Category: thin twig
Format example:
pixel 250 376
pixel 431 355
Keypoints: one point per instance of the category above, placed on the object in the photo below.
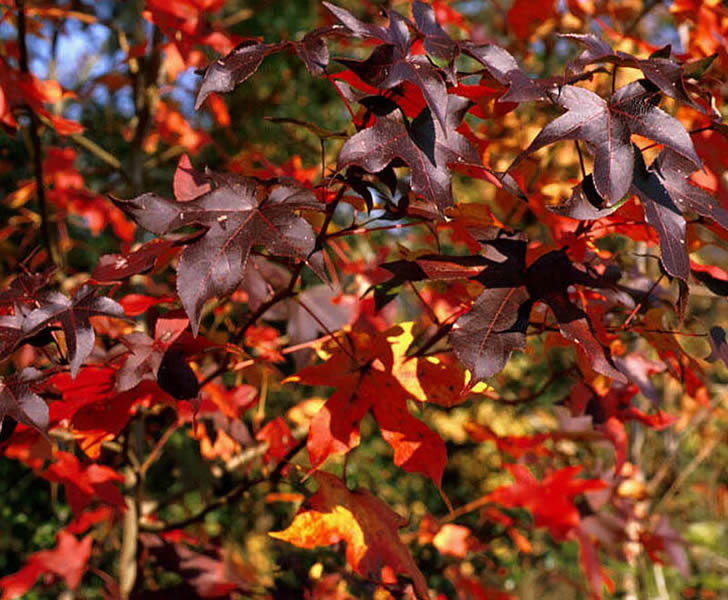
pixel 35 142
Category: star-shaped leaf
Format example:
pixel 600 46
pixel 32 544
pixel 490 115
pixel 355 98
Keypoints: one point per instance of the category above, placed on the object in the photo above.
pixel 437 42
pixel 367 525
pixel 666 192
pixel 237 215
pixel 606 127
pixel 361 370
pixel 19 401
pixel 73 317
pixel 659 68
pixel 496 325
pixel 392 63
pixel 422 145
pixel 226 73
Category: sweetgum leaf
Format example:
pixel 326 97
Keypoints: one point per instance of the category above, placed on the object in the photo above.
pixel 423 146
pixel 367 525
pixel 234 221
pixel 386 68
pixel 495 326
pixel 115 267
pixel 585 203
pixel 674 172
pixel 501 65
pixel 606 127
pixel 11 332
pixel 176 377
pixel 392 63
pixel 659 68
pixel 227 72
pixel 437 42
pixel 73 316
pixel 665 216
pixel 24 288
pixel 19 401
pixel 666 192
pixel 485 337
pixel 313 50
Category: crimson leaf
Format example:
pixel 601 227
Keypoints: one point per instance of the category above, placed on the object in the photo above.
pixel 214 263
pixel 73 316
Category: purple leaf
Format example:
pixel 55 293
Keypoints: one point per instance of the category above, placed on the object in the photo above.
pixel 19 401
pixel 437 42
pixel 495 326
pixel 73 316
pixel 660 70
pixel 584 204
pixel 718 345
pixel 505 70
pixel 606 128
pixel 674 172
pixel 227 72
pixel 214 263
pixel 24 288
pixel 664 215
pixel 423 146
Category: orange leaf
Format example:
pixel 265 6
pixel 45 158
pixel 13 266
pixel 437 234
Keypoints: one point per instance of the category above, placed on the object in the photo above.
pixel 367 525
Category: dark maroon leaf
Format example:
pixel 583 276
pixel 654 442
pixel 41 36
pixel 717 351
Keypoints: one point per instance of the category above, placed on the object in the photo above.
pixel 584 204
pixel 437 42
pixel 115 267
pixel 313 50
pixel 423 146
pixel 501 65
pixel 391 63
pixel 24 288
pixel 386 68
pixel 214 263
pixel 11 332
pixel 718 345
pixel 575 326
pixel 496 325
pixel 73 317
pixel 606 127
pixel 485 337
pixel 674 172
pixel 176 377
pixel 227 72
pixel 665 216
pixel 19 401
pixel 659 69
pixel 359 28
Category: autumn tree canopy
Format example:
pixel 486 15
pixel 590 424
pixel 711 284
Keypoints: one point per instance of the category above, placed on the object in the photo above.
pixel 363 300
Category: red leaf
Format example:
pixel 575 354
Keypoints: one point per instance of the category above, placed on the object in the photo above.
pixel 550 501
pixel 67 560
